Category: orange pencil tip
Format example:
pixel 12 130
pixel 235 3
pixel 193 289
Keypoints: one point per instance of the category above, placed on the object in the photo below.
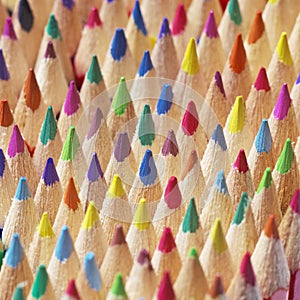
pixel 237 59
pixel 6 117
pixel 70 196
pixel 257 28
pixel 270 229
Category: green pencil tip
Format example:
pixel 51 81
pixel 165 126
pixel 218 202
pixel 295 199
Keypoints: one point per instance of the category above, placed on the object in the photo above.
pixel 18 294
pixel 94 74
pixel 266 180
pixel 241 209
pixel 193 253
pixel 118 286
pixel 234 12
pixel 146 129
pixel 121 98
pixel 71 145
pixel 191 218
pixel 49 127
pixel 52 28
pixel 286 158
pixel 40 283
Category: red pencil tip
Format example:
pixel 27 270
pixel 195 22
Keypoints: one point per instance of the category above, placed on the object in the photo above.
pixel 217 288
pixel 30 149
pixel 241 163
pixel 119 237
pixel 165 289
pixel 94 19
pixel 237 59
pixel 270 229
pixel 295 203
pixel 190 119
pixel 262 82
pixel 6 117
pixel 172 195
pixel 166 243
pixel 246 270
pixel 70 196
pixel 257 28
pixel 72 290
pixel 31 91
pixel 180 20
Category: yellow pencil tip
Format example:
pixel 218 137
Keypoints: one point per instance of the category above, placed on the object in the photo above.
pixel 217 237
pixel 91 216
pixel 142 219
pixel 116 187
pixel 237 116
pixel 45 228
pixel 283 50
pixel 190 63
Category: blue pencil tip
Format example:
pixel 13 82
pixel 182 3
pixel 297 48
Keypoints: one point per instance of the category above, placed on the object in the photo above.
pixel 94 171
pixel 92 272
pixel 25 15
pixel 165 99
pixel 4 74
pixel 14 253
pixel 119 45
pixel 263 140
pixel 69 4
pixel 146 64
pixel 219 138
pixel 2 162
pixel 221 183
pixel 22 192
pixel 64 246
pixel 298 79
pixel 165 29
pixel 148 171
pixel 138 18
pixel 50 175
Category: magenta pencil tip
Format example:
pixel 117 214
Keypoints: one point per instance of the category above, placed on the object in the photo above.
pixel 180 20
pixel 295 203
pixel 94 19
pixel 262 82
pixel 172 195
pixel 16 143
pixel 211 26
pixel 283 103
pixel 167 242
pixel 9 29
pixel 246 270
pixel 72 102
pixel 241 163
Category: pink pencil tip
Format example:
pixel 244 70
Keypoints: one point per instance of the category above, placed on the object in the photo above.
pixel 190 119
pixel 166 243
pixel 16 143
pixel 165 290
pixel 262 82
pixel 72 102
pixel 172 195
pixel 211 26
pixel 241 163
pixel 283 103
pixel 179 21
pixel 9 29
pixel 246 270
pixel 72 290
pixel 295 203
pixel 94 19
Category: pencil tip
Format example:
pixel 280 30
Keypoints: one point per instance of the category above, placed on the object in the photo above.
pixel 70 197
pixel 165 100
pixel 146 129
pixel 148 171
pixel 217 288
pixel 193 253
pixel 144 259
pixel 64 246
pixel 246 270
pixel 95 124
pixel 39 287
pixel 234 12
pixel 283 50
pixel 52 28
pixel 237 116
pixel 257 28
pixel 283 103
pixel 217 237
pixel 165 289
pixel 2 162
pixel 263 140
pixel 14 254
pixel 94 19
pixel 270 229
pixel 241 163
pixel 123 148
pixel 191 162
pixel 118 237
pixel 219 138
pixel 241 209
pixel 142 218
pixel 94 74
pixel 219 82
pixel 92 272
pixel 211 29
pixel 32 93
pixel 22 192
pixel 165 29
pixel 16 143
pixel 170 145
pixel 190 63
pixel 45 228
pixel 295 203
pixel 286 158
pixel 72 290
pixel 71 145
pixel 4 74
pixel 191 219
pixel 167 242
pixel 121 98
pixel 69 4
pixel 180 20
pixel 6 117
pixel 50 52
pixel 118 288
pixel 116 188
pixel 138 18
pixel 238 58
pixel 172 194
pixel 298 79
pixel 221 183
pixel 72 101
pixel 118 45
pixel 8 30
pixel 25 16
pixel 49 127
pixel 91 216
pixel 190 120
pixel 265 181
pixel 94 171
pixel 18 293
pixel 262 81
pixel 146 64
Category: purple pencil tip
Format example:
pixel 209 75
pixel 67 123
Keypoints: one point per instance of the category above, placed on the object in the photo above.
pixel 9 29
pixel 94 171
pixel 96 122
pixel 211 26
pixel 50 52
pixel 122 148
pixel 283 103
pixel 50 175
pixel 219 83
pixel 170 145
pixel 4 74
pixel 72 102
pixel 16 143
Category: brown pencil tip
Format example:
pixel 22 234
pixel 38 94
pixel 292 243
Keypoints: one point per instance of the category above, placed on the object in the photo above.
pixel 31 91
pixel 70 196
pixel 119 237
pixel 257 29
pixel 193 158
pixel 217 288
pixel 6 117
pixel 237 59
pixel 270 229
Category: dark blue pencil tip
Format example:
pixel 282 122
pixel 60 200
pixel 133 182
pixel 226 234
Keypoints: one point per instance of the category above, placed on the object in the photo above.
pixel 118 45
pixel 263 140
pixel 14 254
pixel 94 171
pixel 92 272
pixel 146 64
pixel 165 99
pixel 2 162
pixel 64 246
pixel 165 29
pixel 69 4
pixel 25 15
pixel 148 171
pixel 22 192
pixel 50 175
pixel 298 79
pixel 221 183
pixel 138 18
pixel 219 138
pixel 4 74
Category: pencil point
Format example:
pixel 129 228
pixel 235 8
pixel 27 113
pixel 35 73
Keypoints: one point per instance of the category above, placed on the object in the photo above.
pixel 286 158
pixel 40 283
pixel 4 74
pixel 241 209
pixel 217 237
pixel 50 52
pixel 64 246
pixel 121 98
pixel 238 58
pixel 96 123
pixel 14 254
pixel 283 50
pixel 180 20
pixel 72 102
pixel 237 116
pixel 91 216
pixel 190 120
pixel 6 117
pixel 298 79
pixel 217 288
pixel 219 82
pixel 172 194
pixel 262 81
pixel 16 143
pixel 71 145
pixel 190 63
pixel 146 64
pixel 219 138
pixel 119 45
pixel 241 163
pixel 49 127
pixel 70 197
pixel 295 203
pixel 263 140
pixel 165 99
pixel 191 219
pixel 18 293
pixel 146 130
pixel 266 180
pixel 211 29
pixel 144 259
pixel 246 270
pixel 234 12
pixel 9 29
pixel 25 16
pixel 94 171
pixel 72 290
pixel 148 171
pixel 123 148
pixel 165 29
pixel 119 237
pixel 45 228
pixel 138 18
pixel 165 289
pixel 92 272
pixel 270 229
pixel 193 253
pixel 283 103
pixel 142 218
pixel 31 91
pixel 94 74
pixel 170 145
pixel 94 19
pixel 22 192
pixel 167 242
pixel 116 188
pixel 118 288
pixel 221 183
pixel 257 29
pixel 69 4
pixel 2 162
pixel 52 28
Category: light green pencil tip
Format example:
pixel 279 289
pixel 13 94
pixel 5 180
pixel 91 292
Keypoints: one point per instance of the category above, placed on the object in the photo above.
pixel 71 145
pixel 193 253
pixel 266 180
pixel 234 12
pixel 52 28
pixel 40 283
pixel 49 127
pixel 286 158
pixel 241 209
pixel 121 98
pixel 146 130
pixel 94 74
pixel 191 218
pixel 118 288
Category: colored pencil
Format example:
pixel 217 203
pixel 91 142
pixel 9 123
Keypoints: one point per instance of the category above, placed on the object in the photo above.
pixel 117 291
pixel 165 289
pixel 6 124
pixel 19 292
pixel 42 245
pixel 270 264
pixel 64 262
pixel 71 292
pixel 249 10
pixel 84 7
pixel 216 291
pixel 91 237
pixel 142 280
pixel 265 202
